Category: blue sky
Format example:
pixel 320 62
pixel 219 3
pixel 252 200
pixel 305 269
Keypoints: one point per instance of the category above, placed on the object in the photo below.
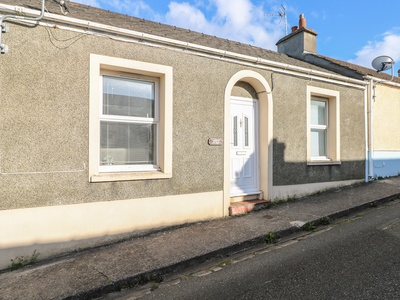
pixel 351 30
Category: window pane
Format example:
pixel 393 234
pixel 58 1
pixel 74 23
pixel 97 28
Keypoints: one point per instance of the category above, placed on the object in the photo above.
pixel 128 97
pixel 127 143
pixel 318 142
pixel 318 112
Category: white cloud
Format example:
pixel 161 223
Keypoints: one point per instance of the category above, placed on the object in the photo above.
pixel 237 13
pixel 186 16
pixel 389 45
pixel 237 20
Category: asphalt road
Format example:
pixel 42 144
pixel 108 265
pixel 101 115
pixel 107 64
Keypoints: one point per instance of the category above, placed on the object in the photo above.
pixel 354 258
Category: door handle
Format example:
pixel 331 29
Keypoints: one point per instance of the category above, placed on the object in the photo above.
pixel 241 152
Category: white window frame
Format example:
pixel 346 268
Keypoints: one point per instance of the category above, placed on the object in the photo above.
pixel 332 99
pixel 137 120
pixel 162 76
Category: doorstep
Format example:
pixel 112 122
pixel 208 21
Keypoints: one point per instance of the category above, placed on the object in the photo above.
pixel 242 207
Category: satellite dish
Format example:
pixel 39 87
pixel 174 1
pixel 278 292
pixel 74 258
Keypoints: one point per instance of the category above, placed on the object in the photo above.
pixel 382 63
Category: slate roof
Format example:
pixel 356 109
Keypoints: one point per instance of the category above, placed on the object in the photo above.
pixel 336 64
pixel 105 17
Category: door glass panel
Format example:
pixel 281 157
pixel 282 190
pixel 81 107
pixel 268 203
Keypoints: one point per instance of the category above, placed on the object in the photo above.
pixel 246 131
pixel 235 131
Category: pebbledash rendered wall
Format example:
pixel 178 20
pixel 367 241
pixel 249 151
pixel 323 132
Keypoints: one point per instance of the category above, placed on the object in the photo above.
pixel 290 165
pixel 47 202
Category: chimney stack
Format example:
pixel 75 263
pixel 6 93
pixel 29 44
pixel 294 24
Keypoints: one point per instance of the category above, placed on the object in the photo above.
pixel 301 40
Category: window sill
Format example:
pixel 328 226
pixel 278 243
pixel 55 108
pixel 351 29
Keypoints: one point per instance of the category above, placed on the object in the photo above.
pixel 129 176
pixel 323 163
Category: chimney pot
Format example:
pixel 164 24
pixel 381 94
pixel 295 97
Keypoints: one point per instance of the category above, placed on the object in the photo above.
pixel 302 21
pixel 398 73
pixel 294 28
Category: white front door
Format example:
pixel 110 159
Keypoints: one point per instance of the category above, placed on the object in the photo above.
pixel 244 146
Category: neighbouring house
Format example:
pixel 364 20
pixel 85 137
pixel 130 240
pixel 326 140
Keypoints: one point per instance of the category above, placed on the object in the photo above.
pixel 112 124
pixel 382 100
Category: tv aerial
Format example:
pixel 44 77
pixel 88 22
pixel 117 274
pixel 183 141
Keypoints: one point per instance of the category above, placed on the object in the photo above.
pixel 282 14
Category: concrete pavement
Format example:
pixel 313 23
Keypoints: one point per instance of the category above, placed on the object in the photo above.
pixel 102 270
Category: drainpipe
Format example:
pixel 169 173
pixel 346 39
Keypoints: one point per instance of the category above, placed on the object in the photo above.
pixel 366 131
pixel 4 48
pixel 371 147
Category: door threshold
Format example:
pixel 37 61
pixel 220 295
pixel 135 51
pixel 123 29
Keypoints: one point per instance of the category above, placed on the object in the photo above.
pixel 241 198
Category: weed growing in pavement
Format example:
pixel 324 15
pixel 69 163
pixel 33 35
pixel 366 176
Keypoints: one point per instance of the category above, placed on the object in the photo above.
pixel 325 221
pixel 21 261
pixel 271 238
pixel 157 278
pixel 288 199
pixel 308 226
pixel 291 198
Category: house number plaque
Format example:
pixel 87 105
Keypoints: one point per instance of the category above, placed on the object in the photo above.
pixel 215 141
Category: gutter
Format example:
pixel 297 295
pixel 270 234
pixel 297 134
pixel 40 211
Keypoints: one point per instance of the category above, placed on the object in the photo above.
pixel 144 38
pixel 381 81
